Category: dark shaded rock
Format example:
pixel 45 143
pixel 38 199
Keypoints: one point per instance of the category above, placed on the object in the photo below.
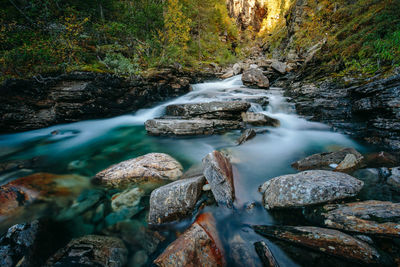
pixel 380 159
pixel 324 240
pixel 175 200
pixel 218 172
pixel 394 178
pixel 91 250
pixel 227 110
pixel 255 77
pixel 241 252
pixel 323 160
pixel 197 246
pixel 246 135
pixel 175 126
pixel 265 254
pixel 259 119
pixel 150 170
pixel 367 217
pixel 308 188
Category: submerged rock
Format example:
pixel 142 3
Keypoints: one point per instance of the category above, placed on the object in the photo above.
pixel 218 172
pixel 259 119
pixel 323 160
pixel 175 200
pixel 394 179
pixel 246 135
pixel 308 188
pixel 367 217
pixel 255 77
pixel 226 110
pixel 197 246
pixel 176 126
pixel 150 169
pixel 324 240
pixel 91 250
pixel 265 254
pixel 241 252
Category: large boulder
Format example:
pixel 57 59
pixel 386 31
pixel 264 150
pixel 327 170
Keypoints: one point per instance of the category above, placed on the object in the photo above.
pixel 280 67
pixel 255 77
pixel 175 200
pixel 324 240
pixel 91 250
pixel 197 246
pixel 308 188
pixel 227 110
pixel 367 217
pixel 324 160
pixel 149 169
pixel 181 127
pixel 218 172
pixel 259 119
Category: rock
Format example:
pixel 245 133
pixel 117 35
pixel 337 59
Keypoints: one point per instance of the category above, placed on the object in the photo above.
pixel 349 163
pixel 367 217
pixel 91 250
pixel 323 160
pixel 394 178
pixel 246 135
pixel 240 252
pixel 174 201
pixel 38 186
pixel 259 119
pixel 147 169
pixel 197 246
pixel 380 159
pixel 190 127
pixel 237 69
pixel 324 240
pixel 230 73
pixel 29 244
pixel 265 254
pixel 227 110
pixel 279 67
pixel 218 172
pixel 255 77
pixel 308 188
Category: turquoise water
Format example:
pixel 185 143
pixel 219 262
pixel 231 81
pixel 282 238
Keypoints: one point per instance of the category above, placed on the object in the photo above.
pixel 86 147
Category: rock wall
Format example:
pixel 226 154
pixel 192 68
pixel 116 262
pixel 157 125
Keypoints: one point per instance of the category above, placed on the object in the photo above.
pixel 33 104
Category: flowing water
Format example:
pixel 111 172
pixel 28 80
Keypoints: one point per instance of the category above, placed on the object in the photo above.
pixel 86 147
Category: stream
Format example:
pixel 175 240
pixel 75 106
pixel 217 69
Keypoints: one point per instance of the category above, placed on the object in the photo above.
pixel 87 147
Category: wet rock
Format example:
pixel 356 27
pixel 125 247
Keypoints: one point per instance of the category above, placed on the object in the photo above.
pixel 246 135
pixel 308 188
pixel 237 69
pixel 350 162
pixel 324 240
pixel 259 119
pixel 380 159
pixel 265 254
pixel 149 170
pixel 240 252
pixel 280 67
pixel 39 186
pixel 367 217
pixel 227 110
pixel 91 250
pixel 139 259
pixel 218 172
pixel 255 77
pixel 190 127
pixel 394 178
pixel 197 246
pixel 175 200
pixel 323 160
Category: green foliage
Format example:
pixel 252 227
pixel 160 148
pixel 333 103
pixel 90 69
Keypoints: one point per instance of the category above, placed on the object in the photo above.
pixel 121 65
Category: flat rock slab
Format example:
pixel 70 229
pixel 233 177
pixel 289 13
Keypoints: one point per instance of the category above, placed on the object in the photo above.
pixel 197 246
pixel 230 110
pixel 328 241
pixel 367 217
pixel 182 127
pixel 218 172
pixel 147 169
pixel 91 250
pixel 308 188
pixel 175 201
pixel 323 160
pixel 259 119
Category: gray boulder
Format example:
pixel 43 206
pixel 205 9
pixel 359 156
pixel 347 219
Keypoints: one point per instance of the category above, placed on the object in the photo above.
pixel 255 77
pixel 246 135
pixel 259 119
pixel 308 188
pixel 280 67
pixel 394 179
pixel 175 200
pixel 237 68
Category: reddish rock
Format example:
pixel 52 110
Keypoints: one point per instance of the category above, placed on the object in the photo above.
pixel 380 159
pixel 197 246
